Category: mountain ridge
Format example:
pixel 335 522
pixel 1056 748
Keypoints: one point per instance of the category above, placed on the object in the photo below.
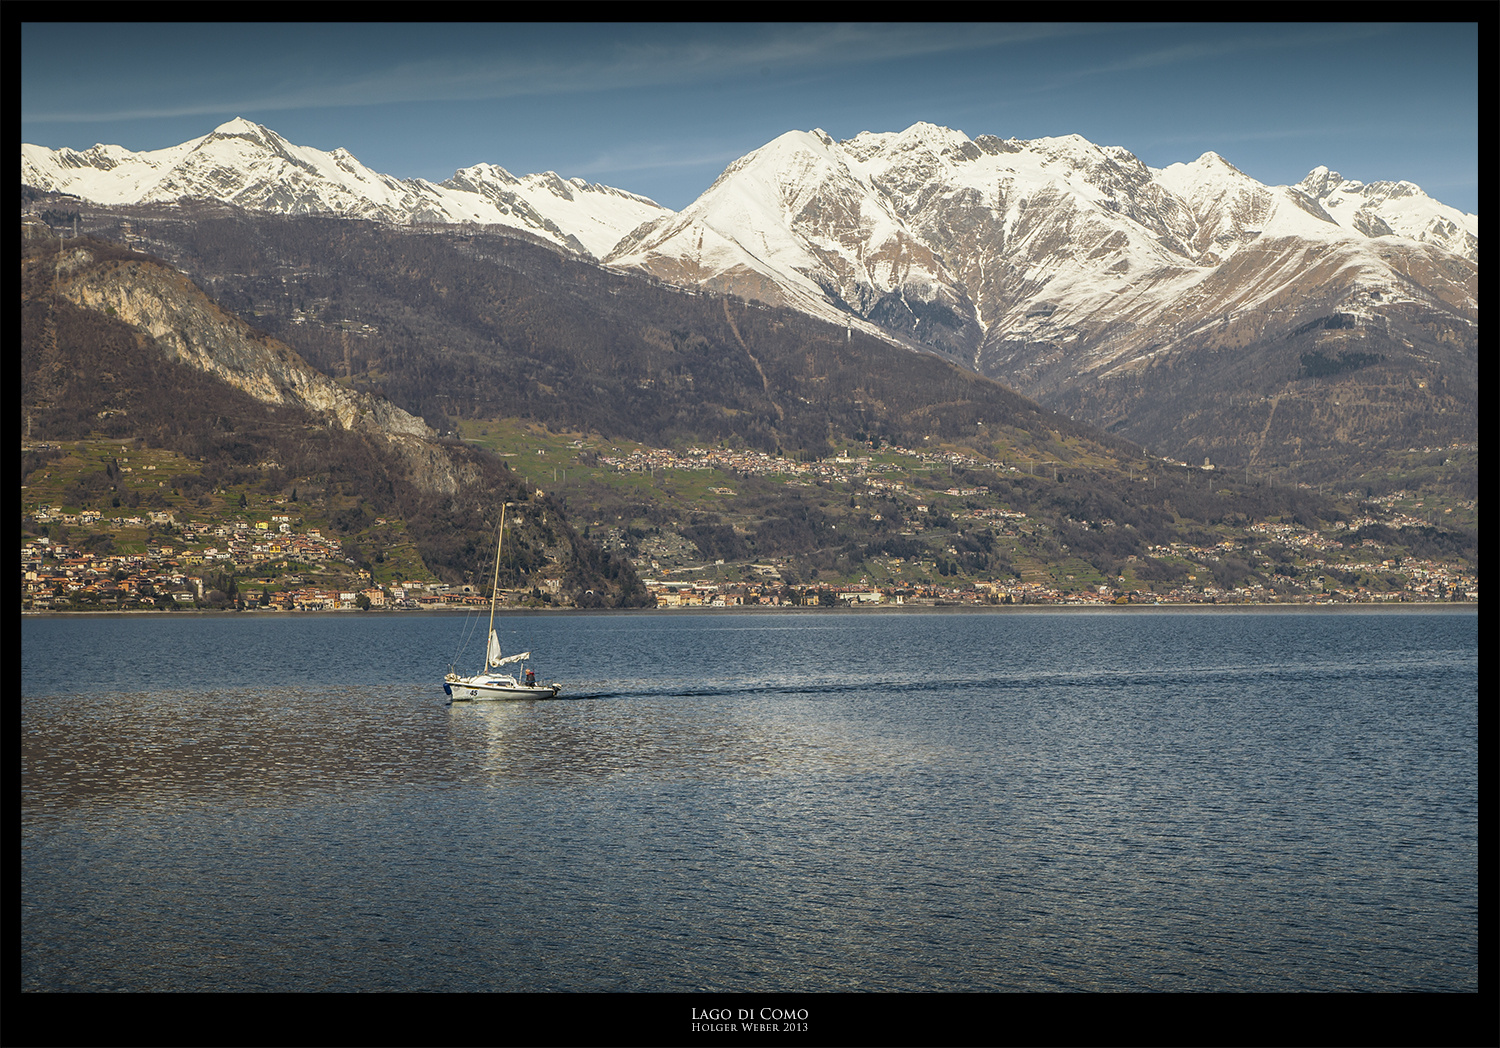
pixel 249 165
pixel 1064 269
pixel 199 167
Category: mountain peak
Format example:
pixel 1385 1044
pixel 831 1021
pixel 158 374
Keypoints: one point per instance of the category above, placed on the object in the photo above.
pixel 1063 144
pixel 465 177
pixel 1209 165
pixel 1321 181
pixel 240 127
pixel 256 135
pixel 930 133
pixel 1393 209
pixel 816 139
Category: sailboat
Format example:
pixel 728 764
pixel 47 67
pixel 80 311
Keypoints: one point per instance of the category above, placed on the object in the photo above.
pixel 490 683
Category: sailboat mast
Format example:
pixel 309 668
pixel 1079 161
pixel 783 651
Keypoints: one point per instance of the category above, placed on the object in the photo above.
pixel 495 591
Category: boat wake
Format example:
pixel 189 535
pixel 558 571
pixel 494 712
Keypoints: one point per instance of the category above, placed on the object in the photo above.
pixel 988 684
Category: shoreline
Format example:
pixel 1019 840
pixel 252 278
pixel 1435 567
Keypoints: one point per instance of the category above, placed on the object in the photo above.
pixel 756 609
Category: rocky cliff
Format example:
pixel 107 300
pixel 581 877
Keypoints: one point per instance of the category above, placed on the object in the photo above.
pixel 190 328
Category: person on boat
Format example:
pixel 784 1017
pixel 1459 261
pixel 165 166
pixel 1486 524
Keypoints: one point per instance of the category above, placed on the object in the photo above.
pixel 531 678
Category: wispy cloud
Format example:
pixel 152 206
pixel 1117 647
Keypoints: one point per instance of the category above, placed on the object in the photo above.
pixel 497 63
pixel 658 158
pixel 1226 40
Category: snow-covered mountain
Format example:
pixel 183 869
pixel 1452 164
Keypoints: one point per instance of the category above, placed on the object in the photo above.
pixel 837 228
pixel 248 165
pixel 1150 301
pixel 1393 208
pixel 1157 303
pixel 994 242
pixel 794 223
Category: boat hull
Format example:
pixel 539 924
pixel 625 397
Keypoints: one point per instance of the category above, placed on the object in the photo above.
pixel 468 689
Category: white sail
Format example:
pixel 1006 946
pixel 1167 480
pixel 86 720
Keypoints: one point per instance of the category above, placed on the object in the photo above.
pixel 513 658
pixel 493 656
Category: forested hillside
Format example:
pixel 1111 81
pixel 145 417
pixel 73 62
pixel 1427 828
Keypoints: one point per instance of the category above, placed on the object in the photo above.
pixel 88 375
pixel 566 369
pixel 454 324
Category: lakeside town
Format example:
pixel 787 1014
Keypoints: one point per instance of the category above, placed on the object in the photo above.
pixel 170 542
pixel 190 571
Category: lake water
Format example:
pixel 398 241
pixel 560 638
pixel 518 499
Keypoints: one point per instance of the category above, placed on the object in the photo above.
pixel 1005 801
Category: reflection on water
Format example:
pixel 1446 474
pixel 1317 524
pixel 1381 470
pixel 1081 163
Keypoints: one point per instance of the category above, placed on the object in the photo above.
pixel 760 803
pixel 682 737
pixel 269 747
pixel 250 745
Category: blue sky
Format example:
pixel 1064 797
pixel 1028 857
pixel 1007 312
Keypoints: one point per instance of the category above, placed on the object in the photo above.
pixel 662 109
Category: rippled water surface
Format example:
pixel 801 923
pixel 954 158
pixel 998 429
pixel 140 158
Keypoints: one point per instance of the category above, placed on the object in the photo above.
pixel 838 801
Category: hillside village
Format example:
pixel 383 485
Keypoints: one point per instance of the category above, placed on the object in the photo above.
pixel 63 577
pixel 1424 581
pixel 265 557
